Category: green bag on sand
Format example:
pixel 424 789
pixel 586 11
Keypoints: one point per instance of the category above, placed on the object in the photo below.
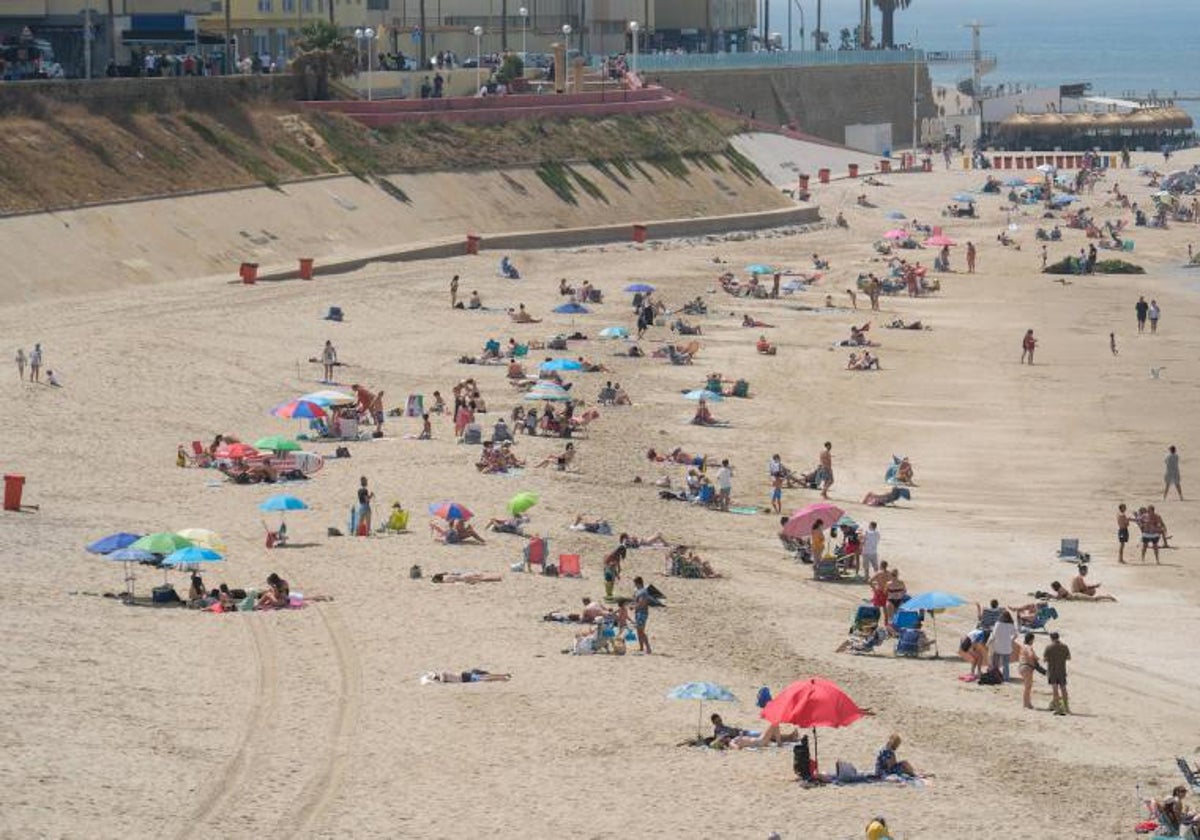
pixel 247 603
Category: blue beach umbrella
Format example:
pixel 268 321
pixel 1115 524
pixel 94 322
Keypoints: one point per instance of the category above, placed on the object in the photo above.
pixel 896 214
pixel 931 602
pixel 701 691
pixel 546 395
pixel 1014 182
pixel 191 555
pixel 967 197
pixel 131 555
pixel 1062 199
pixel 614 332
pixel 113 542
pixel 561 364
pixel 701 394
pixel 282 503
pixel 639 287
pixel 572 309
pixel 759 268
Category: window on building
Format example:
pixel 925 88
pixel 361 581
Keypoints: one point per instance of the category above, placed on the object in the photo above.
pixel 265 5
pixel 308 5
pixel 289 5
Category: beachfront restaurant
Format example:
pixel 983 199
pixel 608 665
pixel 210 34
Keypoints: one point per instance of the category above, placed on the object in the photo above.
pixel 1144 128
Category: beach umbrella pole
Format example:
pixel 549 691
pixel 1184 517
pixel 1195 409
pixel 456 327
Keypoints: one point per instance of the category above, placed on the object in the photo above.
pixel 936 653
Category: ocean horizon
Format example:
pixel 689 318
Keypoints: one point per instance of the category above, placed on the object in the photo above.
pixel 1120 48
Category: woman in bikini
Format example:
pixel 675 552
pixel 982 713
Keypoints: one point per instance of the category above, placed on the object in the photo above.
pixel 1027 663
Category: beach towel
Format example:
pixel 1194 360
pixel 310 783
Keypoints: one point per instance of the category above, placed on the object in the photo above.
pixel 746 511
pixel 414 405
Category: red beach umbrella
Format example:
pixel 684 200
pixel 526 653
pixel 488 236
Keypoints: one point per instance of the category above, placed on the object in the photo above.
pixel 811 703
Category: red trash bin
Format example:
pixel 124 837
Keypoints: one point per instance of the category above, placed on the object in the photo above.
pixel 306 268
pixel 853 170
pixel 823 176
pixel 803 183
pixel 472 243
pixel 249 272
pixel 639 233
pixel 12 491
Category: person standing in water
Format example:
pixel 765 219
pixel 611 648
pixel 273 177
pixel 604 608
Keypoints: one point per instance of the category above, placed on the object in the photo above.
pixel 1028 345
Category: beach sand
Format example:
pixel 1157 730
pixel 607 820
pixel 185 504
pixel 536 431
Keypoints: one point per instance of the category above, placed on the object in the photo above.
pixel 135 722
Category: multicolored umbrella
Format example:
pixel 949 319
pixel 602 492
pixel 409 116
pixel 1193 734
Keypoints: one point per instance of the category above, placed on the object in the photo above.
pixel 326 398
pixel 164 543
pixel 299 410
pixel 522 502
pixel 701 394
pixel 282 503
pixel 801 522
pixel 113 542
pixel 450 510
pixel 277 443
pixel 539 394
pixel 701 691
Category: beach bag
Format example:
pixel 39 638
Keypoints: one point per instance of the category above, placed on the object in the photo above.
pixel 557 343
pixel 341 452
pixel 802 760
pixel 550 570
pixel 334 314
pixel 473 434
pixel 992 676
pixel 764 697
pixel 414 572
pixel 741 388
pixel 164 594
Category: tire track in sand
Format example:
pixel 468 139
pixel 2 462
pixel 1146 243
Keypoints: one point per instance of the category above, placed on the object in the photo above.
pixel 306 812
pixel 261 717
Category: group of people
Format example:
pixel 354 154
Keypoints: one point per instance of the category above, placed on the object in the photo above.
pixel 34 361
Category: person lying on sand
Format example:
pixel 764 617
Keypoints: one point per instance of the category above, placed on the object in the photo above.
pixel 591 526
pixel 1060 592
pixel 472 676
pixel 465 577
pixel 771 735
pixel 865 362
pixel 747 321
pixel 891 496
pixel 561 461
pixel 590 613
pixel 900 324
pixel 657 540
pixel 676 456
pixel 456 531
pixel 510 525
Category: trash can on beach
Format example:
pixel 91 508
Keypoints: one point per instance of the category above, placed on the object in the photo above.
pixel 249 273
pixel 472 243
pixel 306 268
pixel 639 233
pixel 853 168
pixel 823 176
pixel 13 484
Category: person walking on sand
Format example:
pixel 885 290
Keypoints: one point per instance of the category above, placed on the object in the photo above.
pixel 870 549
pixel 641 614
pixel 777 493
pixel 1045 257
pixel 1027 663
pixel 328 360
pixel 1171 479
pixel 1153 312
pixel 1142 309
pixel 1122 532
pixel 35 363
pixel 970 258
pixel 826 470
pixel 1056 656
pixel 454 292
pixel 1028 345
pixel 724 484
pixel 1112 343
pixel 21 363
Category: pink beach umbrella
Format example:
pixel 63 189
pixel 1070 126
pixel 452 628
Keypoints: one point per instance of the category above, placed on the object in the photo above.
pixel 801 522
pixel 896 233
pixel 940 241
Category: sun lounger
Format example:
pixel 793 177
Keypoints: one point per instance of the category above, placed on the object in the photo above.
pixel 569 565
pixel 1045 613
pixel 199 456
pixel 1189 774
pixel 1069 551
pixel 536 552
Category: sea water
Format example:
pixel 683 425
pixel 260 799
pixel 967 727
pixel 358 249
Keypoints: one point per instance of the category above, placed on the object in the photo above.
pixel 1120 46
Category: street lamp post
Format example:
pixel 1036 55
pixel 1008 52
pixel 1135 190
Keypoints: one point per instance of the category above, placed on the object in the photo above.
pixel 478 30
pixel 566 31
pixel 367 35
pixel 524 13
pixel 633 28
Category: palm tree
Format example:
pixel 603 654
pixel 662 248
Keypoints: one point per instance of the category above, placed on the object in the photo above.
pixel 888 10
pixel 322 54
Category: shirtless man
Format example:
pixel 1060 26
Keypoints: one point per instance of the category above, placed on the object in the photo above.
pixel 1122 532
pixel 1027 664
pixel 826 461
pixel 1061 593
pixel 1152 528
pixel 1079 585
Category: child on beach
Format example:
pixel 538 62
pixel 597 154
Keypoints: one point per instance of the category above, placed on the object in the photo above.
pixel 777 493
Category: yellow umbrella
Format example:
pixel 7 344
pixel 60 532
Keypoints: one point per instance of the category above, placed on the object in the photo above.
pixel 204 538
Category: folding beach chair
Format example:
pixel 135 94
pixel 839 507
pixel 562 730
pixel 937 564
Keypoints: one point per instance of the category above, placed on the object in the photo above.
pixel 569 566
pixel 1045 613
pixel 1069 550
pixel 908 642
pixel 536 551
pixel 907 620
pixel 199 456
pixel 866 619
pixel 826 568
pixel 1189 774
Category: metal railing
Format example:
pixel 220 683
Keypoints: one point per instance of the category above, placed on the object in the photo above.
pixel 665 62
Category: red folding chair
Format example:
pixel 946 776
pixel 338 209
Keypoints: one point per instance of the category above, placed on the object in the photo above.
pixel 569 566
pixel 536 551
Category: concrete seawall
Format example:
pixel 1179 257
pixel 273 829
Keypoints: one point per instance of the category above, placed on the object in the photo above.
pixel 820 101
pixel 563 238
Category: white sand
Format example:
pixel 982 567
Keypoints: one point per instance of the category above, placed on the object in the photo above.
pixel 123 721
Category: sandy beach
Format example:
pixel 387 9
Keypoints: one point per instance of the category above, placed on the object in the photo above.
pixel 312 723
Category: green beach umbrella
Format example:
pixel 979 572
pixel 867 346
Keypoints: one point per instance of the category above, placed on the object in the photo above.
pixel 277 443
pixel 522 502
pixel 163 542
